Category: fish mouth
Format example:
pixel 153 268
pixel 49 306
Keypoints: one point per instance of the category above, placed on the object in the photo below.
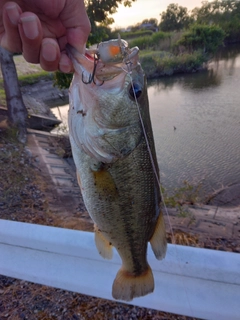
pixel 81 62
pixel 90 66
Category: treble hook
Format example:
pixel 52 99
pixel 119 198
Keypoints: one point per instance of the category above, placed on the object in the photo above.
pixel 91 76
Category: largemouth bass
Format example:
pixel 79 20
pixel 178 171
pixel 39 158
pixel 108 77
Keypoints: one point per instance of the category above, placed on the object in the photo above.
pixel 114 167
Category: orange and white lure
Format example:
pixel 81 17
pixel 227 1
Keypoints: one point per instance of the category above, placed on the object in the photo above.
pixel 114 51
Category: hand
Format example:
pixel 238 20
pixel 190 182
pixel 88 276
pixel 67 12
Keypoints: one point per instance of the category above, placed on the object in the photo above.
pixel 40 29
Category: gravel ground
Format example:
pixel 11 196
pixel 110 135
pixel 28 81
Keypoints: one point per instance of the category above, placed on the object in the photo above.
pixel 24 300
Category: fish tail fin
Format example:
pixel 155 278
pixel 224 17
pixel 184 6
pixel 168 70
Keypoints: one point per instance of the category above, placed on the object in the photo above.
pixel 127 286
pixel 158 241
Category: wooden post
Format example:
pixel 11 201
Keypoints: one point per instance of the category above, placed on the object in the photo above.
pixel 17 112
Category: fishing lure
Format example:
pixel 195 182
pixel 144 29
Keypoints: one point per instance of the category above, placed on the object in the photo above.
pixel 110 52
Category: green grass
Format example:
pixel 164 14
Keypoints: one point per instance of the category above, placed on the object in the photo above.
pixel 2 94
pixel 183 197
pixel 34 77
pixel 151 41
pixel 136 34
pixel 24 80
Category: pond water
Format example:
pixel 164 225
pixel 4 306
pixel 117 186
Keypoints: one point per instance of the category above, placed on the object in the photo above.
pixel 205 110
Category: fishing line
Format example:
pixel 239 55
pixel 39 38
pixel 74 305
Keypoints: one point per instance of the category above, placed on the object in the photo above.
pixel 129 72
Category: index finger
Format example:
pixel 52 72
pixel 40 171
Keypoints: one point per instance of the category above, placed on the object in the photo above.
pixel 75 19
pixel 10 38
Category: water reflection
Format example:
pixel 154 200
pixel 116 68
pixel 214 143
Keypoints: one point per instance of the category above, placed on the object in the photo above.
pixel 200 80
pixel 228 53
pixel 205 109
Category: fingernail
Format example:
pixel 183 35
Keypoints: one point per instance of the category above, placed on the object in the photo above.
pixel 49 51
pixel 30 27
pixel 13 13
pixel 65 63
pixel 65 68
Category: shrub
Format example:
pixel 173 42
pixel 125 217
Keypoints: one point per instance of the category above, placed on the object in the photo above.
pixel 136 34
pixel 152 42
pixel 232 30
pixel 62 80
pixel 202 37
pixel 164 63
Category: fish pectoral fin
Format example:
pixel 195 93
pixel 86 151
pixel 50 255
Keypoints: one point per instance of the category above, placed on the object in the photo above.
pixel 103 245
pixel 79 181
pixel 127 286
pixel 105 184
pixel 158 241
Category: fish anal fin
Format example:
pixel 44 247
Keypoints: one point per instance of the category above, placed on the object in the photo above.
pixel 158 241
pixel 103 245
pixel 127 286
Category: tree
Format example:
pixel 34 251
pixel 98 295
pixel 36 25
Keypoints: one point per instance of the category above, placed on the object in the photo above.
pixel 135 27
pixel 17 112
pixel 99 12
pixel 217 11
pixel 202 14
pixel 203 37
pixel 174 18
pixel 223 13
pixel 151 21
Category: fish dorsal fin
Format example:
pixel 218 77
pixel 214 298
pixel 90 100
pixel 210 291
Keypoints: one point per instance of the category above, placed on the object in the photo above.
pixel 103 245
pixel 158 241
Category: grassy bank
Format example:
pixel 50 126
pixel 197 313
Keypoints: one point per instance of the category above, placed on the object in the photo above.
pixel 167 53
pixel 162 63
pixel 28 74
pixel 161 54
pixel 24 80
pixel 34 78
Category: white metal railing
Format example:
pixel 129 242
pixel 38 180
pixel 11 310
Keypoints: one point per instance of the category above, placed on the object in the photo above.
pixel 189 281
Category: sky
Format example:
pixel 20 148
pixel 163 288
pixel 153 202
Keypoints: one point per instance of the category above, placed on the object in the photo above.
pixel 146 9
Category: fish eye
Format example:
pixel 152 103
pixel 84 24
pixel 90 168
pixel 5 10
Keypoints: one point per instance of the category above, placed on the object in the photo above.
pixel 135 90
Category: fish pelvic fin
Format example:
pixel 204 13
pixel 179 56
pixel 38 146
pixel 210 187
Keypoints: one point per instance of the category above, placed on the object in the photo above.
pixel 103 245
pixel 127 286
pixel 158 241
